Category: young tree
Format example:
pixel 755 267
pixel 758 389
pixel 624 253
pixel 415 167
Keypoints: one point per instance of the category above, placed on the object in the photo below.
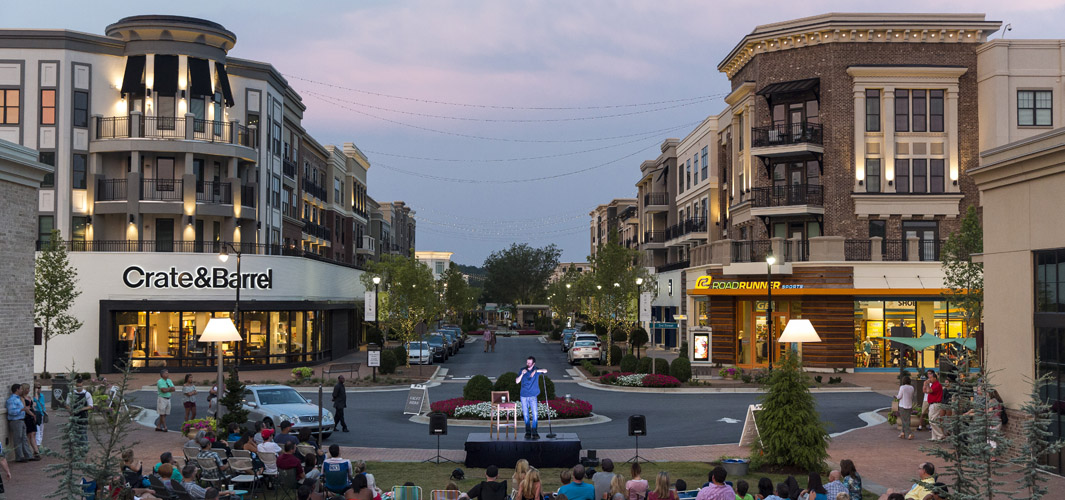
pixel 1037 441
pixel 563 295
pixel 790 429
pixel 459 298
pixel 54 291
pixel 614 289
pixel 111 435
pixel 519 274
pixel 233 402
pixel 410 297
pixel 963 277
pixel 70 468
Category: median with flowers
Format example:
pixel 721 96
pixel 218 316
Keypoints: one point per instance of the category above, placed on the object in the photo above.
pixel 558 408
pixel 626 379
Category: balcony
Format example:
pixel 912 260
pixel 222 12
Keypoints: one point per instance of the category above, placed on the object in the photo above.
pixel 784 139
pixel 247 196
pixel 750 251
pixel 367 246
pixel 288 167
pixel 316 230
pixel 313 189
pixel 656 202
pixel 691 226
pixel 654 239
pixel 673 266
pixel 207 247
pixel 138 126
pixel 793 199
pixel 111 190
pixel 214 192
pixel 748 256
pixel 161 190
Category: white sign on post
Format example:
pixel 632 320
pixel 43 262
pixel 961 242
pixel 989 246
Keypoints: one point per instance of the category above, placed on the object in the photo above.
pixel 645 307
pixel 370 309
pixel 373 358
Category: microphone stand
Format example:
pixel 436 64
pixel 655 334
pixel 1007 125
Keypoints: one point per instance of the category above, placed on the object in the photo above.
pixel 550 430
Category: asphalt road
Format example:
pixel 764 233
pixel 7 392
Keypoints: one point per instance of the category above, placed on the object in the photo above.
pixel 376 419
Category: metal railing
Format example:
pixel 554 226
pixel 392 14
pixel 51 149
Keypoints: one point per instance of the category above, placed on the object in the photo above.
pixel 111 190
pixel 288 167
pixel 211 131
pixel 797 250
pixel 858 250
pixel 673 266
pixel 161 189
pixel 191 247
pixel 163 127
pixel 112 127
pixel 786 133
pixel 792 194
pixel 894 250
pixel 314 189
pixel 214 192
pixel 928 250
pixel 693 225
pixel 247 196
pixel 245 136
pixel 654 237
pixel 750 251
pixel 656 199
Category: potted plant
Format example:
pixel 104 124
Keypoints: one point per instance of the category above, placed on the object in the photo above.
pixel 735 466
pixel 302 373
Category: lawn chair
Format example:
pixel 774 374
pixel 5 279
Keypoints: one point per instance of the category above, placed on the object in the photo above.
pixel 336 477
pixel 444 494
pixel 288 483
pixel 245 474
pixel 241 453
pixel 158 488
pixel 180 493
pixel 406 493
pixel 191 452
pixel 208 467
pixel 269 460
pixel 306 449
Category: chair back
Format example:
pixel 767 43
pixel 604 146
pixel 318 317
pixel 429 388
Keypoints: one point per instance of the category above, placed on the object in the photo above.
pixel 241 453
pixel 499 397
pixel 306 449
pixel 444 494
pixel 335 476
pixel 179 491
pixel 209 468
pixel 406 492
pixel 241 464
pixel 269 459
pixel 288 479
pixel 190 452
pixel 157 486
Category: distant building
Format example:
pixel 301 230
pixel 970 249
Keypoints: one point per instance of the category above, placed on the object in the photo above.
pixel 563 267
pixel 438 262
pixel 616 219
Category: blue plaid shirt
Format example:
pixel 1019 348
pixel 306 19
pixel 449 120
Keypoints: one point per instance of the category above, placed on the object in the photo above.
pixel 16 409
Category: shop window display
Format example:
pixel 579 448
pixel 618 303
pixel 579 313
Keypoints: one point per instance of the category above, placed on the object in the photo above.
pixel 877 321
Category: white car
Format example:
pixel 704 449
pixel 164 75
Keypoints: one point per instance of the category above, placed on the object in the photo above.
pixel 584 349
pixel 273 404
pixel 419 353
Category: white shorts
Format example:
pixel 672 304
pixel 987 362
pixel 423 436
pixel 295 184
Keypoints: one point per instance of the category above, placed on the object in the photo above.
pixel 162 405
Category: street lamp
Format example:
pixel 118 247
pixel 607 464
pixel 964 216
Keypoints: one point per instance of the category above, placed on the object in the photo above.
pixel 220 330
pixel 639 281
pixel 376 304
pixel 799 331
pixel 769 261
pixel 568 285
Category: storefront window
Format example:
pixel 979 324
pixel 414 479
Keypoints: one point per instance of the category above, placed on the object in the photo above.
pixel 877 321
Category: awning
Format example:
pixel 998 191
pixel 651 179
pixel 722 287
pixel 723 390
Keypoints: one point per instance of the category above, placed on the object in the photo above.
pixel 199 77
pixel 920 343
pixel 791 87
pixel 133 78
pixel 794 292
pixel 166 74
pixel 968 343
pixel 223 80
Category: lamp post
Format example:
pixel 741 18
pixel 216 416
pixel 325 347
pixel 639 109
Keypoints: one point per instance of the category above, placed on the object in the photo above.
pixel 224 335
pixel 799 331
pixel 769 261
pixel 639 324
pixel 220 330
pixel 377 318
pixel 574 321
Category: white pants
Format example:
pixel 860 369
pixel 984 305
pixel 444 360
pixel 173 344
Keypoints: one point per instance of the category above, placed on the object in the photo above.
pixel 40 434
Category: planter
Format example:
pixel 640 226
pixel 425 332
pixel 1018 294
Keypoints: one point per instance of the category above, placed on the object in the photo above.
pixel 736 466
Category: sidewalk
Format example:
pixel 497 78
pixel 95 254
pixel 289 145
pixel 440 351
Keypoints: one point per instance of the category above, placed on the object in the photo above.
pixel 883 460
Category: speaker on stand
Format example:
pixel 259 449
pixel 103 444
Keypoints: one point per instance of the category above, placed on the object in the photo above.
pixel 438 427
pixel 637 428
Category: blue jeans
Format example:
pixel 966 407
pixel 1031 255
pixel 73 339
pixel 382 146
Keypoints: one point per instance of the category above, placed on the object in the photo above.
pixel 529 411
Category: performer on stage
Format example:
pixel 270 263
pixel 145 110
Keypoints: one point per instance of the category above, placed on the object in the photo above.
pixel 529 378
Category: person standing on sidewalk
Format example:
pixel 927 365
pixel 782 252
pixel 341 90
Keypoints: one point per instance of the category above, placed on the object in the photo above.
pixel 935 406
pixel 42 412
pixel 164 387
pixel 905 398
pixel 340 401
pixel 487 337
pixel 80 404
pixel 16 423
pixel 188 397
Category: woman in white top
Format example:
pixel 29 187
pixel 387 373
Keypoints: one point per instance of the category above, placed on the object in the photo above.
pixel 188 397
pixel 905 398
pixel 637 486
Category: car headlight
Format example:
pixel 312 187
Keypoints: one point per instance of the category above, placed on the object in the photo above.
pixel 328 417
pixel 284 417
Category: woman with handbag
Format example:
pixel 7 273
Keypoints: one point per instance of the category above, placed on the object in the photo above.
pixel 42 411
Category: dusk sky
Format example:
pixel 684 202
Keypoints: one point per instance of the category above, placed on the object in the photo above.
pixel 442 95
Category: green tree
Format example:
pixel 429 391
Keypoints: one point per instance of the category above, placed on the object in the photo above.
pixel 613 289
pixel 1037 441
pixel 54 291
pixel 519 274
pixel 70 468
pixel 563 295
pixel 459 297
pixel 112 434
pixel 410 295
pixel 963 277
pixel 232 400
pixel 790 429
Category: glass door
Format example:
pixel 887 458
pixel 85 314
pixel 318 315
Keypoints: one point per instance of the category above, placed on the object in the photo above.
pixel 164 235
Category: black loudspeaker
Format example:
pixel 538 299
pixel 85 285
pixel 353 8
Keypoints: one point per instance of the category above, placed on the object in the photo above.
pixel 438 424
pixel 637 425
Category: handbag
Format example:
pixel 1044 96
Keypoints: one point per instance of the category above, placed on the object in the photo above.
pixel 45 419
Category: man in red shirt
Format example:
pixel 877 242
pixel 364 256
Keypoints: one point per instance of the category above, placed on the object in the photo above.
pixel 935 406
pixel 288 460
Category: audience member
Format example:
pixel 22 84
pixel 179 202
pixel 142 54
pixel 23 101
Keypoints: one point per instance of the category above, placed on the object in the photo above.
pixel 835 486
pixel 310 467
pixel 926 479
pixel 490 488
pixel 637 486
pixel 530 487
pixel 565 476
pixel 360 490
pixel 602 480
pixel 336 471
pixel 741 490
pixel 207 452
pixel 287 460
pixel 257 434
pixel 765 488
pixel 814 489
pixel 662 490
pixel 134 477
pixel 617 489
pixel 781 493
pixel 360 468
pixel 166 458
pixel 286 435
pixel 578 489
pixel 520 468
pixel 269 446
pixel 851 478
pixel 843 495
pixel 234 432
pixel 717 490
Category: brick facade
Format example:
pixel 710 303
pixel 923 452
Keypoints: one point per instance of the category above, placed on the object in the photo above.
pixel 829 63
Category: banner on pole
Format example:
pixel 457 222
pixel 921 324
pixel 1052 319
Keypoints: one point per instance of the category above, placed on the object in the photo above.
pixel 370 309
pixel 645 307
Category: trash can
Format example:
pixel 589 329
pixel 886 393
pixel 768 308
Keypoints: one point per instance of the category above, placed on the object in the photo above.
pixel 60 390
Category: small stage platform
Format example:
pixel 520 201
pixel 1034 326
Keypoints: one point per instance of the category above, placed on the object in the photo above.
pixel 562 451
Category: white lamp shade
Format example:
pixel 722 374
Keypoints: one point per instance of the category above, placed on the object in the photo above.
pixel 799 330
pixel 220 330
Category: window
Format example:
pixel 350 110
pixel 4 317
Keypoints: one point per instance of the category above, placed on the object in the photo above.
pixel 920 108
pixel 872 175
pixel 81 108
pixel 48 158
pixel 79 171
pixel 198 108
pixel 9 106
pixel 902 175
pixel 878 228
pixel 688 176
pixel 706 157
pixel 1034 108
pixel 253 120
pixel 936 179
pixel 1050 281
pixel 276 138
pixel 276 191
pixel 902 110
pixel 439 268
pixel 48 107
pixel 872 110
pixel 920 175
pixel 77 228
pixel 695 173
pixel 45 224
pixel 338 190
pixel 935 110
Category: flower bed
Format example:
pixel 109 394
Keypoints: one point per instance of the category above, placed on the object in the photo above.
pixel 200 424
pixel 626 379
pixel 481 410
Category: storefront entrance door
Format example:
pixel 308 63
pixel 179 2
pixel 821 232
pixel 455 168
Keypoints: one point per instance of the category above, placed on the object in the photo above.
pixel 754 341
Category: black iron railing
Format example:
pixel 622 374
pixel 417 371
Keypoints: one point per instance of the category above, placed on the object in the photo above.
pixel 654 237
pixel 214 192
pixel 656 199
pixel 858 250
pixel 792 194
pixel 797 251
pixel 111 190
pixel 163 127
pixel 288 167
pixel 750 251
pixel 781 134
pixel 112 127
pixel 192 247
pixel 161 189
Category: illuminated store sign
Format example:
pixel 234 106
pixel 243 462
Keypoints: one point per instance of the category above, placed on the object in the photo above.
pixel 202 278
pixel 708 283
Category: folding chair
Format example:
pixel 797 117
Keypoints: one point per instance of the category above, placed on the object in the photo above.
pixel 180 493
pixel 241 453
pixel 191 452
pixel 287 483
pixel 406 492
pixel 208 467
pixel 245 473
pixel 158 488
pixel 306 449
pixel 336 477
pixel 444 494
pixel 269 459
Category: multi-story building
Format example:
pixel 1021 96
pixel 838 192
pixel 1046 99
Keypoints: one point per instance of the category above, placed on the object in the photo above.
pixel 655 195
pixel 564 267
pixel 398 228
pixel 616 220
pixel 437 262
pixel 844 152
pixel 168 151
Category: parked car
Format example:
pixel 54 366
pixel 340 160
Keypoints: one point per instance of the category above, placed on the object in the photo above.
pixel 567 339
pixel 419 353
pixel 458 334
pixel 273 404
pixel 584 349
pixel 439 346
pixel 588 336
pixel 453 339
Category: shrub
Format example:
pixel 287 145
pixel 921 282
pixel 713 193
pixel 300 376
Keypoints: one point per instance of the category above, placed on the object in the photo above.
pixel 400 354
pixel 587 327
pixel 615 354
pixel 199 424
pixel 478 388
pixel 448 406
pixel 681 369
pixel 791 431
pixel 388 362
pixel 98 365
pixel 619 335
pixel 661 366
pixel 556 334
pixel 644 365
pixel 760 377
pixel 746 378
pixel 817 379
pixel 374 336
pixel 590 368
pixel 574 408
pixel 612 377
pixel 505 382
pixel 302 372
pixel 638 338
pixel 628 363
pixel 657 380
pixel 684 348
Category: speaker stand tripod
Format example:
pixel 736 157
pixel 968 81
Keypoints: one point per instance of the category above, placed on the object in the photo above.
pixel 438 458
pixel 636 459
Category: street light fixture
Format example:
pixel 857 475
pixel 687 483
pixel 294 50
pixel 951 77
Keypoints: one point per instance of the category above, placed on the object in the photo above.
pixel 769 261
pixel 639 281
pixel 220 330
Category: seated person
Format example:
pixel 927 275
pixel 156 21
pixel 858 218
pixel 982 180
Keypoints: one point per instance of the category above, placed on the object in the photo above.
pixel 578 489
pixel 309 491
pixel 234 432
pixel 305 439
pixel 218 444
pixel 490 488
pixel 207 452
pixel 166 458
pixel 336 471
pixel 310 468
pixel 287 460
pixel 197 492
pixel 359 489
pixel 165 474
pixel 268 446
pixel 286 435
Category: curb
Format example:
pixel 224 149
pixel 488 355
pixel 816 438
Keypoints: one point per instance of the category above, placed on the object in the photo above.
pixel 573 422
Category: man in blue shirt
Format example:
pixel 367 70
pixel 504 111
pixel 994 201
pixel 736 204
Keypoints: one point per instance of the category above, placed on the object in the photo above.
pixel 529 378
pixel 578 489
pixel 16 422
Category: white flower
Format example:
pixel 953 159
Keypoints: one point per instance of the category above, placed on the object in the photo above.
pixel 483 411
pixel 634 380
